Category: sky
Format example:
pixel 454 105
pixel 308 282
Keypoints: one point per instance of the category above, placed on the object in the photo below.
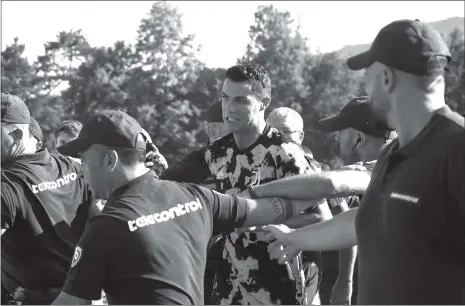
pixel 220 27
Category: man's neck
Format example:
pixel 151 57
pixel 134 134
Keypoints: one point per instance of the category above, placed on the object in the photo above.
pixel 126 175
pixel 246 138
pixel 413 112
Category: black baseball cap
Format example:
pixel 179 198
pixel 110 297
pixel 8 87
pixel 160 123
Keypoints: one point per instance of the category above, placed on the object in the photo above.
pixel 214 113
pixel 359 115
pixel 109 128
pixel 411 46
pixel 35 130
pixel 14 110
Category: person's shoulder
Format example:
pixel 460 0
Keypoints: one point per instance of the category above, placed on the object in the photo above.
pixel 450 134
pixel 219 148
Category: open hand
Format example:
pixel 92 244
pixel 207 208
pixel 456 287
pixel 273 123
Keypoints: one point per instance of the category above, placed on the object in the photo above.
pixel 283 249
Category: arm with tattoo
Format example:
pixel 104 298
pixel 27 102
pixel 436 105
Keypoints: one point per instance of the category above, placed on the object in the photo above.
pixel 274 210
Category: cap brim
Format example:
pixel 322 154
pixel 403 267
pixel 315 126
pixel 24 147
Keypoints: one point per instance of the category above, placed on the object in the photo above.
pixel 74 147
pixel 360 61
pixel 332 124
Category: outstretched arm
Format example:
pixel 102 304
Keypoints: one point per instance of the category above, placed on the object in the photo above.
pixel 315 186
pixel 335 234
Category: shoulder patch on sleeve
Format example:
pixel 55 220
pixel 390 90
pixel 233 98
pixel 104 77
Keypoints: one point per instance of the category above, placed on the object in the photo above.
pixel 77 256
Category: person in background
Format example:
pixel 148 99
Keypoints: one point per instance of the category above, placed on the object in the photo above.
pixel 291 125
pixel 214 127
pixel 362 135
pixel 37 138
pixel 67 131
pixel 410 226
pixel 44 207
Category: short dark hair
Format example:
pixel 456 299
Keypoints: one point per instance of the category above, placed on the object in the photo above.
pixel 71 127
pixel 254 73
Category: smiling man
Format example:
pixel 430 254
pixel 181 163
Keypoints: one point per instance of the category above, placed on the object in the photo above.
pixel 252 154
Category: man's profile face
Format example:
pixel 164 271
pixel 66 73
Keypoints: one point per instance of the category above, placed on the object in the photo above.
pixel 374 86
pixel 240 106
pixel 8 142
pixel 94 171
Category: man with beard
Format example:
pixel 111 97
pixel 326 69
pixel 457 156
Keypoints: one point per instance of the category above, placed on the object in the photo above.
pixel 45 206
pixel 410 226
pixel 253 154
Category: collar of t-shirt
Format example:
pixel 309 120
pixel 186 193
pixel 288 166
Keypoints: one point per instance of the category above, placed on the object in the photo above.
pixel 122 189
pixel 256 142
pixel 410 148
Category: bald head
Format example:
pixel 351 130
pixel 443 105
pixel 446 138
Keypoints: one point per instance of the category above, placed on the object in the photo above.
pixel 289 122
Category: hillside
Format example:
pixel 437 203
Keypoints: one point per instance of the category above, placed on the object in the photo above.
pixel 445 26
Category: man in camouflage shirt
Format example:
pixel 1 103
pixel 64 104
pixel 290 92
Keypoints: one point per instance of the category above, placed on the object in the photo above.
pixel 253 154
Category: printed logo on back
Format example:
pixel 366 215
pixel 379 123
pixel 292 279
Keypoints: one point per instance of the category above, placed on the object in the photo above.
pixel 165 215
pixel 66 179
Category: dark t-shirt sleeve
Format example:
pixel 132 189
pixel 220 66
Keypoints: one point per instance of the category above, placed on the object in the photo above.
pixel 228 211
pixel 192 168
pixel 86 275
pixel 12 197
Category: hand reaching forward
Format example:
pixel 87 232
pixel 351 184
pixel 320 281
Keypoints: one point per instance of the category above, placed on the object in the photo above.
pixel 283 249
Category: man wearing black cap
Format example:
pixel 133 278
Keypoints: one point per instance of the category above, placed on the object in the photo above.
pixel 37 137
pixel 362 136
pixel 149 244
pixel 44 209
pixel 410 227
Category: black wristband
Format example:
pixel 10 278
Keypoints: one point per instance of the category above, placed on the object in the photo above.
pixel 252 192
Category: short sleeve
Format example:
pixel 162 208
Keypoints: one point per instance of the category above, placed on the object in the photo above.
pixel 228 211
pixel 290 160
pixel 12 197
pixel 86 275
pixel 192 168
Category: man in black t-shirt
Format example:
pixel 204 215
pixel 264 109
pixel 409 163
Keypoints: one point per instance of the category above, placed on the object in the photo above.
pixel 44 210
pixel 410 225
pixel 149 244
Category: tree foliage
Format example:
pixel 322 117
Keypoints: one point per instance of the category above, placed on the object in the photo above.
pixel 160 81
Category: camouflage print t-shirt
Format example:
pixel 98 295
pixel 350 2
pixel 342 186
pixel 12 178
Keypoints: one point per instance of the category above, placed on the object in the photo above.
pixel 247 274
